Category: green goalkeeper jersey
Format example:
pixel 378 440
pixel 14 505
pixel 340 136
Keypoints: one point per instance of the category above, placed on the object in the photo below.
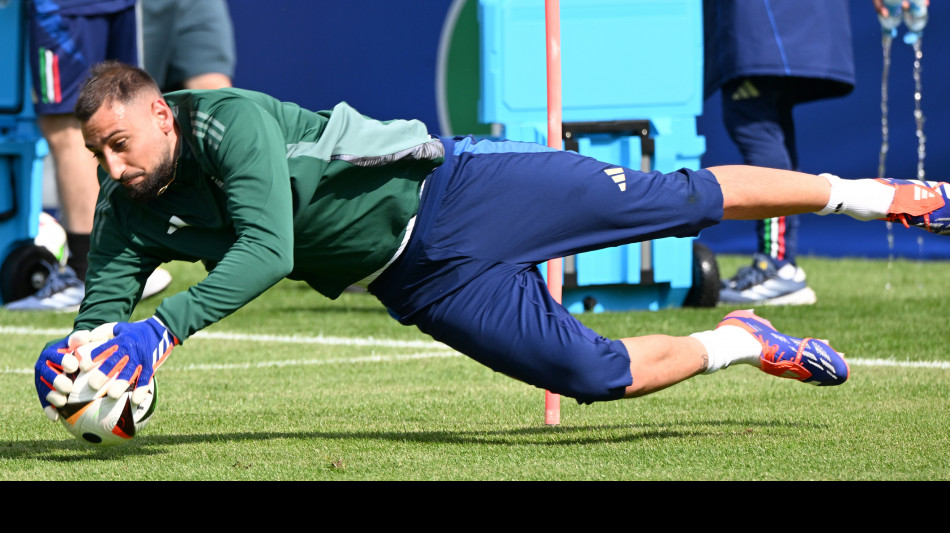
pixel 263 190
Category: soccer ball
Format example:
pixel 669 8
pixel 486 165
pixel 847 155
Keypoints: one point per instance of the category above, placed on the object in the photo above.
pixel 93 417
pixel 51 236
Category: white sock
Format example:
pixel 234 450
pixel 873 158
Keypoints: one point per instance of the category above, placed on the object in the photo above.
pixel 727 345
pixel 864 199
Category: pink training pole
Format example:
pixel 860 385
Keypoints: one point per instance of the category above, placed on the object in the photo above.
pixel 552 25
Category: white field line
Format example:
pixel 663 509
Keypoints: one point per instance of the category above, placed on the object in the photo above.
pixel 440 350
pixel 288 339
pixel 291 362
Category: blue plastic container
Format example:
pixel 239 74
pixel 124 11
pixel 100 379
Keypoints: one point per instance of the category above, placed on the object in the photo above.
pixel 631 91
pixel 22 148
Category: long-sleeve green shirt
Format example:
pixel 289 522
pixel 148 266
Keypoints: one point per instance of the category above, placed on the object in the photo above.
pixel 263 190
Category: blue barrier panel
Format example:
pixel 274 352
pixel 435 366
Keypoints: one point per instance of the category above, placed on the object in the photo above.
pixel 21 146
pixel 615 55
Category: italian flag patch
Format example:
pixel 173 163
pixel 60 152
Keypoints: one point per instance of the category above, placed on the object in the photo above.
pixel 49 77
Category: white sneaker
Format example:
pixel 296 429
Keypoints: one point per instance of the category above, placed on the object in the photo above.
pixel 62 292
pixel 764 282
pixel 156 282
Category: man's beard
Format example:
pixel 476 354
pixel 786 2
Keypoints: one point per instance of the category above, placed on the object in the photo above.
pixel 152 184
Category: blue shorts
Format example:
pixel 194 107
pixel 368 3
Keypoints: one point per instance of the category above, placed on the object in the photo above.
pixel 64 47
pixel 490 214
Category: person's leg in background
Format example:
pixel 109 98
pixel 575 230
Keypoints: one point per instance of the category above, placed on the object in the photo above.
pixel 757 113
pixel 62 50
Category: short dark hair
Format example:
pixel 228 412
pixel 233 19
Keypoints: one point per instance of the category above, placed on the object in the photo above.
pixel 111 81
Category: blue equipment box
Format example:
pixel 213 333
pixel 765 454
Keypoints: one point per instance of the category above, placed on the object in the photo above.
pixel 22 148
pixel 11 55
pixel 620 59
pixel 632 86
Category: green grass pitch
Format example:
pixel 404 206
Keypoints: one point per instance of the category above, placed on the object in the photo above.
pixel 296 387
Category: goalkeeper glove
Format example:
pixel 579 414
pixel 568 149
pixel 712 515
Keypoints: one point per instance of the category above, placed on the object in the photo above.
pixel 132 357
pixel 50 373
pixel 58 359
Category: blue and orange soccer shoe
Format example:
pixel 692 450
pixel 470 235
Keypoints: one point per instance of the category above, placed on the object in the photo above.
pixel 807 360
pixel 920 203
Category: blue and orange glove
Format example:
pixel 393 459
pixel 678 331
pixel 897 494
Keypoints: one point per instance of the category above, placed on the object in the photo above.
pixel 52 385
pixel 59 359
pixel 131 357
